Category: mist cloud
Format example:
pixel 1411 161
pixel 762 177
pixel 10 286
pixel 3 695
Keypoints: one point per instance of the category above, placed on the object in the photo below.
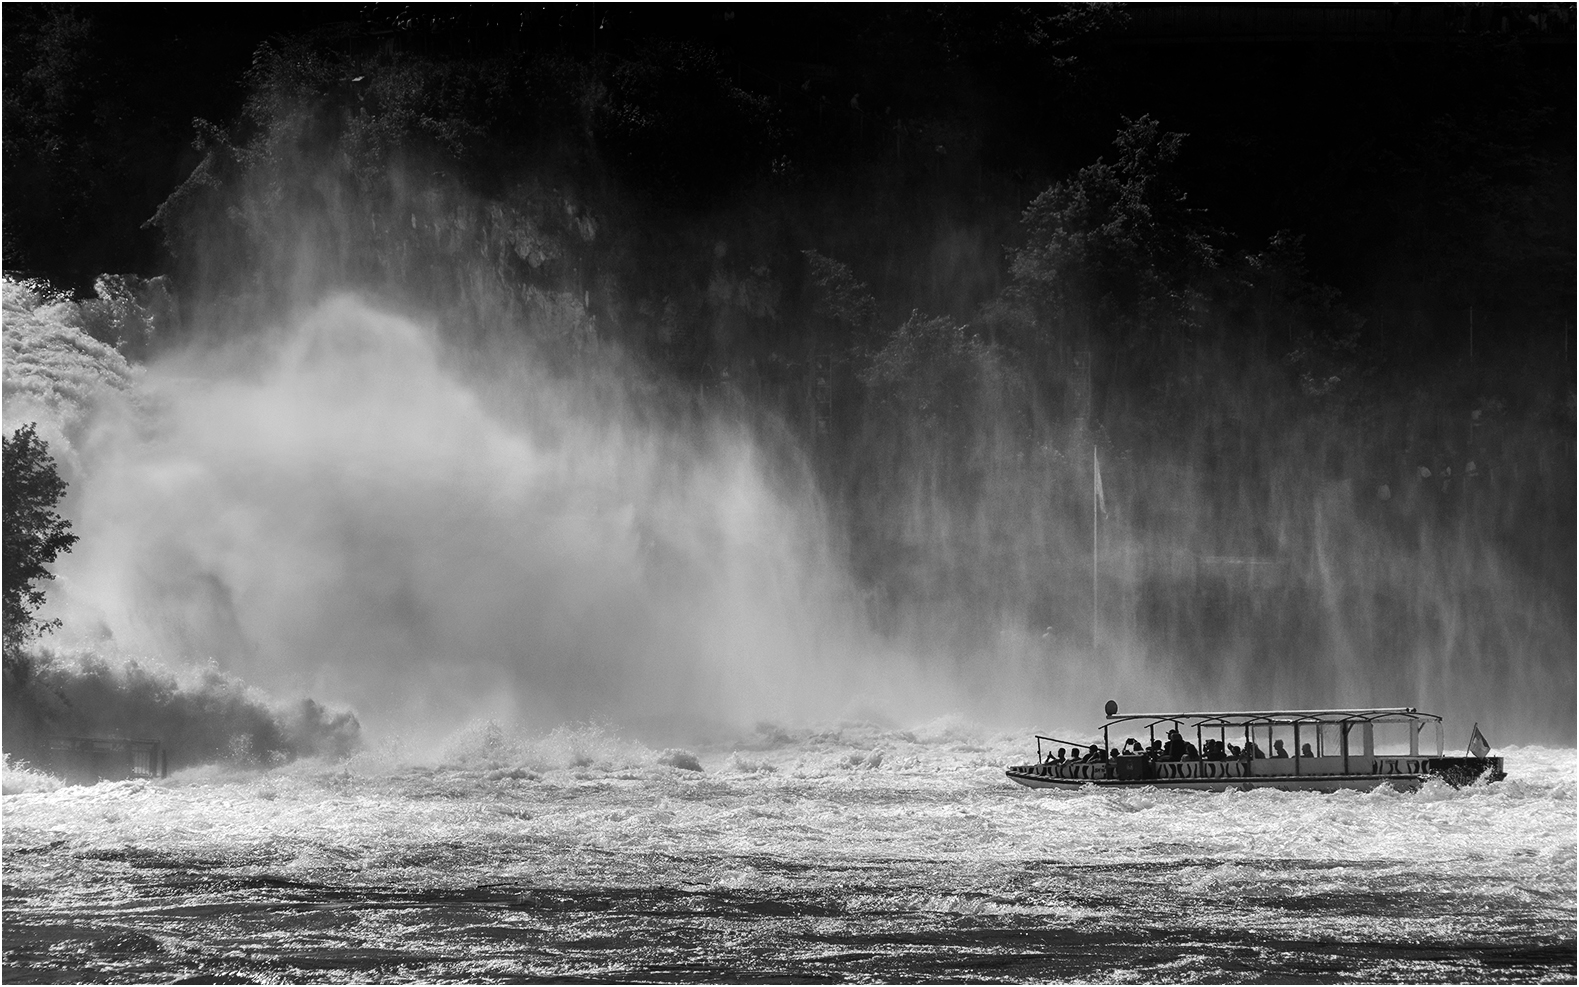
pixel 333 508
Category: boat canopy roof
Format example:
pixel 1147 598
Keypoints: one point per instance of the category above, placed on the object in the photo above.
pixel 1279 717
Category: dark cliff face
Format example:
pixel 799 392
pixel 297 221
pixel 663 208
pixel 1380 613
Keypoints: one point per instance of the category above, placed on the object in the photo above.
pixel 1371 135
pixel 99 104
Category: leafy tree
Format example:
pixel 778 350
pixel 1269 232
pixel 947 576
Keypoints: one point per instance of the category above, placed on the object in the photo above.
pixel 34 533
pixel 837 294
pixel 1115 247
pixel 928 371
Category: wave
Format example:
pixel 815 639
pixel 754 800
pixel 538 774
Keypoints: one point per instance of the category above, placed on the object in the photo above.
pixel 18 777
pixel 199 715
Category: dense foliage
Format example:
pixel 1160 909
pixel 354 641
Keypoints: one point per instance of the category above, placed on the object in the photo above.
pixel 35 533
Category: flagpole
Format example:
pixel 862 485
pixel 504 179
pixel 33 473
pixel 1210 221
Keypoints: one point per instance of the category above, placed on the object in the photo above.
pixel 1096 480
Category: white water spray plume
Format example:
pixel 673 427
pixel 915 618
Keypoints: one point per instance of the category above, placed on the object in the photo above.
pixel 340 508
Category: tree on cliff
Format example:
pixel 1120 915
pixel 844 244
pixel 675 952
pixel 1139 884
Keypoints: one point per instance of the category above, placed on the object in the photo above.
pixel 34 533
pixel 1116 249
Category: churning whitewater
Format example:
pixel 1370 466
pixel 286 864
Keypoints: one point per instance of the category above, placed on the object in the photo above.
pixel 858 852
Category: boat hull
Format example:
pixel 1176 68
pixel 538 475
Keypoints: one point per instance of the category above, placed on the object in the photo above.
pixel 1284 774
pixel 1327 784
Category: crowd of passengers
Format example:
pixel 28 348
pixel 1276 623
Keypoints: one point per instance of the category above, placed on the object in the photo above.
pixel 1176 749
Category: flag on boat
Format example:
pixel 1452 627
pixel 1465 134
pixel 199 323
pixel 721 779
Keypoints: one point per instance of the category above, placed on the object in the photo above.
pixel 1096 481
pixel 1477 742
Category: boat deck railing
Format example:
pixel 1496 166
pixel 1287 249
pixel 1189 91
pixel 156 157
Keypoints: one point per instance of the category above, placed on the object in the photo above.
pixel 1344 732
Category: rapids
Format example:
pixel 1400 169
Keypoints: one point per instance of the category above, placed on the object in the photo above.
pixel 854 853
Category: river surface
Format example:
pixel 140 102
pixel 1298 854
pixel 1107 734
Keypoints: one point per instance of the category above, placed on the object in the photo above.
pixel 856 853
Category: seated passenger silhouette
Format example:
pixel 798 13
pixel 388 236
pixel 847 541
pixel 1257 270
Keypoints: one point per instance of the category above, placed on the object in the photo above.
pixel 1049 759
pixel 1175 748
pixel 1060 755
pixel 1254 750
pixel 1304 751
pixel 1190 753
pixel 1094 754
pixel 1277 749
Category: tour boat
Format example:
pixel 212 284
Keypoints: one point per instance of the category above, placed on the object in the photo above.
pixel 1329 749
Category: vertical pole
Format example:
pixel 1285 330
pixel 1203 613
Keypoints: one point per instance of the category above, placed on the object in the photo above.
pixel 1094 481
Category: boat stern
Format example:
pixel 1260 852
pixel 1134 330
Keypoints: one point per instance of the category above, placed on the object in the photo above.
pixel 1461 771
